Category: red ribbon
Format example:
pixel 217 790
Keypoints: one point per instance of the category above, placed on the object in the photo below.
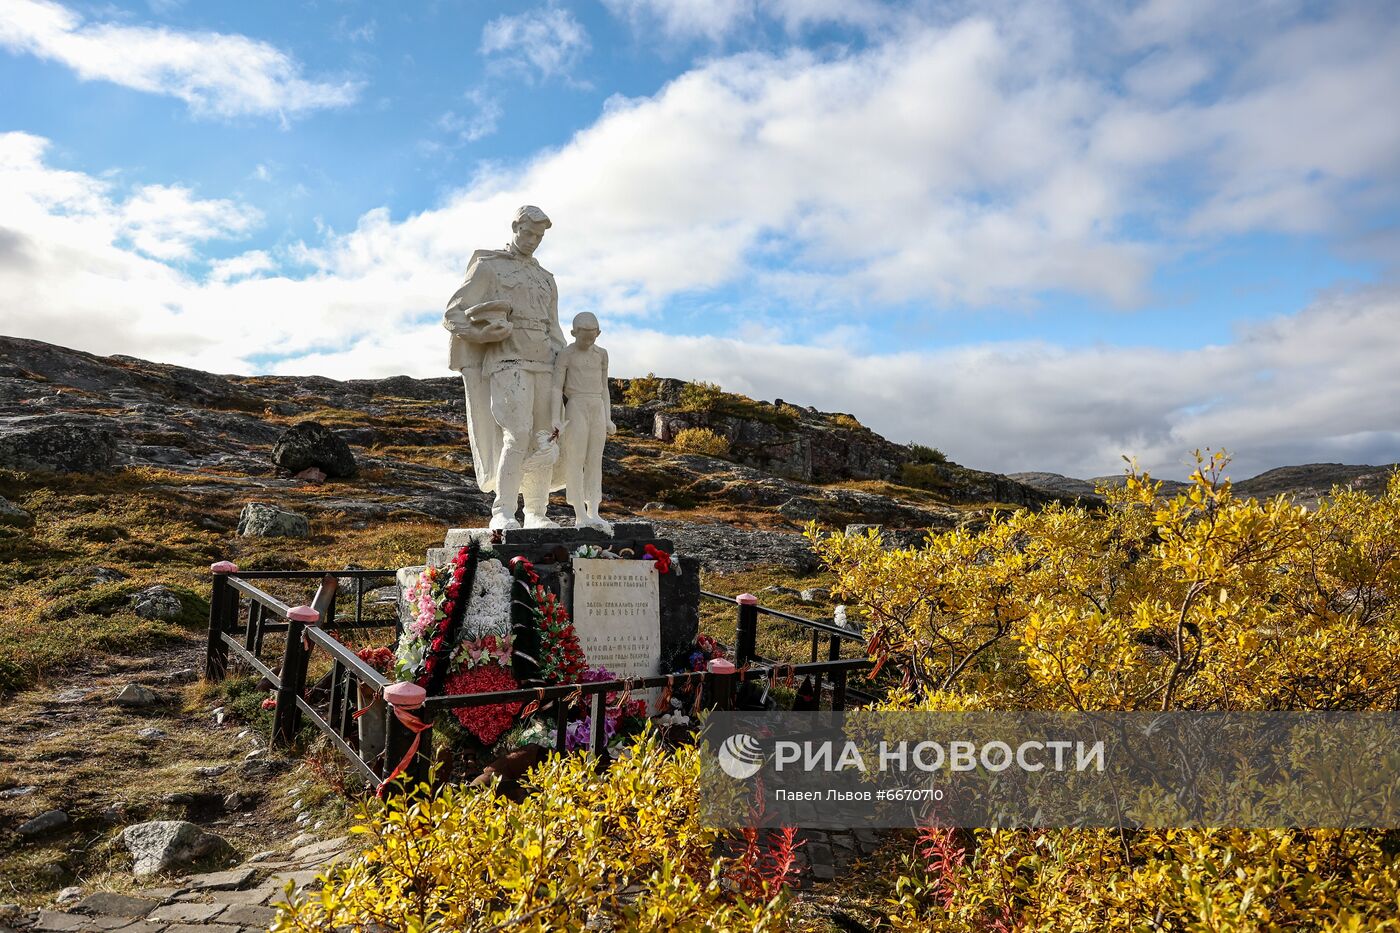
pixel 417 727
pixel 528 567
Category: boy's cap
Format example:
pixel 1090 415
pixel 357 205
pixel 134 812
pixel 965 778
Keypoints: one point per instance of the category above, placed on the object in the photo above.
pixel 532 214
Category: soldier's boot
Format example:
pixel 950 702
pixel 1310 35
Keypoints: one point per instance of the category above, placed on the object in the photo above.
pixel 535 488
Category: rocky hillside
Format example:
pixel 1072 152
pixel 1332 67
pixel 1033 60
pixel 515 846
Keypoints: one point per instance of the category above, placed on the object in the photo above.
pixel 212 437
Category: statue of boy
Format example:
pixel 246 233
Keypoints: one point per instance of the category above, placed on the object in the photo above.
pixel 504 321
pixel 583 409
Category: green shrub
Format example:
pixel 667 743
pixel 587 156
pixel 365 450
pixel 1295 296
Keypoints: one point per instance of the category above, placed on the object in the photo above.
pixel 922 476
pixel 701 441
pixel 701 396
pixel 922 453
pixel 642 390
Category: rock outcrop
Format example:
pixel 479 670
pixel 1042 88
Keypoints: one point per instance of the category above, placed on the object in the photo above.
pixel 57 443
pixel 260 520
pixel 310 444
pixel 165 845
pixel 803 448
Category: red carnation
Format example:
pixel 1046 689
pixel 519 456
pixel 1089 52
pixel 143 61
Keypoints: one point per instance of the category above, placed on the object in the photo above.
pixel 663 560
pixel 487 723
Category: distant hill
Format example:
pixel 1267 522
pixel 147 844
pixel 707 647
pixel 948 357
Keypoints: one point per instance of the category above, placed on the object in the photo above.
pixel 1306 483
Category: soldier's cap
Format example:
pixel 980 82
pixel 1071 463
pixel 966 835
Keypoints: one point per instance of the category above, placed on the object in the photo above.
pixel 531 214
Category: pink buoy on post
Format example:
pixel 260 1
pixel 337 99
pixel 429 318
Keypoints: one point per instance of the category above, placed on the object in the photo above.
pixel 403 698
pixel 287 720
pixel 721 671
pixel 746 630
pixel 303 614
pixel 405 695
pixel 223 616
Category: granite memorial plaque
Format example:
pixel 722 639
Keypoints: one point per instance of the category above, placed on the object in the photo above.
pixel 617 615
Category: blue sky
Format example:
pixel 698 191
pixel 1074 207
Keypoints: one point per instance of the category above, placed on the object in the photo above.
pixel 1036 235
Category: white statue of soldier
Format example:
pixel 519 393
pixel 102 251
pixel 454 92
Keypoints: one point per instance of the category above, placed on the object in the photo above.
pixel 504 321
pixel 583 411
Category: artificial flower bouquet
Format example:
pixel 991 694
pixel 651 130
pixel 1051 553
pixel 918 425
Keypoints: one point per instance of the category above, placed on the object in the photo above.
pixel 480 626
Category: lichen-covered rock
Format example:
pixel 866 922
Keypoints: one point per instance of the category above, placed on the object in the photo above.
pixel 137 696
pixel 799 509
pixel 806 446
pixel 157 602
pixel 311 444
pixel 11 514
pixel 59 443
pixel 260 520
pixel 163 845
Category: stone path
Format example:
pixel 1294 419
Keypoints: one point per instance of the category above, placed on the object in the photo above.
pixel 240 900
pixel 826 853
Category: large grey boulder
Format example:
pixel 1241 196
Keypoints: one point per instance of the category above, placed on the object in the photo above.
pixel 311 444
pixel 57 444
pixel 260 520
pixel 163 845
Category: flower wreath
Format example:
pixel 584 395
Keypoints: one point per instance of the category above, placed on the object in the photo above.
pixel 482 628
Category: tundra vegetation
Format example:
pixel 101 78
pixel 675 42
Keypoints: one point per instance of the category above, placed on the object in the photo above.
pixel 1194 601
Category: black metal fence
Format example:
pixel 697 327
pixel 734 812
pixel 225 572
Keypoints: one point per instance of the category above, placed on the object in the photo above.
pixel 241 615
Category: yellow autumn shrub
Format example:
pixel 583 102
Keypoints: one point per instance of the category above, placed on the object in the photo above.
pixel 619 850
pixel 642 389
pixel 1197 601
pixel 701 441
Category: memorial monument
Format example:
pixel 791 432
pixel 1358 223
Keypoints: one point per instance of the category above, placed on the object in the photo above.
pixel 585 420
pixel 538 416
pixel 504 321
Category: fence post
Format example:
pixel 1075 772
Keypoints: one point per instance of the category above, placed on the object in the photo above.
pixel 746 631
pixel 838 680
pixel 221 596
pixel 723 673
pixel 287 720
pixel 399 738
pixel 598 729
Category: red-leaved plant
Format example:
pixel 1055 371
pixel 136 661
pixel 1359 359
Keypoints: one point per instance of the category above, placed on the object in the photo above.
pixel 942 859
pixel 767 863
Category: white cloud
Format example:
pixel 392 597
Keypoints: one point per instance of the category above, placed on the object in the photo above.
pixel 216 74
pixel 167 222
pixel 685 19
pixel 1314 386
pixel 479 123
pixel 718 20
pixel 242 266
pixel 978 162
pixel 549 42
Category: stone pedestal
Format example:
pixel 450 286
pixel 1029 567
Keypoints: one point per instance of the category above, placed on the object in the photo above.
pixel 551 551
